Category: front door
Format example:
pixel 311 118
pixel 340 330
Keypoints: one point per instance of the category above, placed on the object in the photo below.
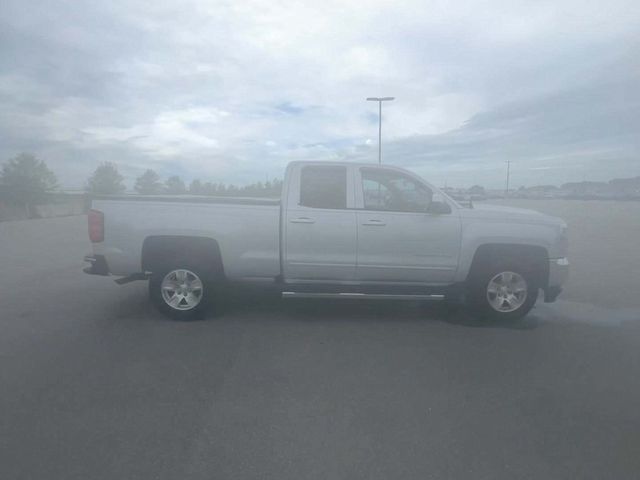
pixel 398 240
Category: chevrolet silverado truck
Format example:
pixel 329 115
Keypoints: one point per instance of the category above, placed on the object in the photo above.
pixel 339 230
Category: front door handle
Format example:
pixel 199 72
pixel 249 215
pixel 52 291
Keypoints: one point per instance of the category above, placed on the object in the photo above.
pixel 302 220
pixel 374 223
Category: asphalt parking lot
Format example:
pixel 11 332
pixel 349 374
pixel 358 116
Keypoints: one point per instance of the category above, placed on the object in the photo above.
pixel 95 384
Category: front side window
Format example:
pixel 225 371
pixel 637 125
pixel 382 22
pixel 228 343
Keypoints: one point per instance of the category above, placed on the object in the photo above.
pixel 392 191
pixel 323 187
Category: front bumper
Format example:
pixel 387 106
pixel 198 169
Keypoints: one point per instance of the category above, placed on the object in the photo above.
pixel 558 275
pixel 98 265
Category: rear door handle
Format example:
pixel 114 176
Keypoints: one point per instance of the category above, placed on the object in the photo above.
pixel 302 220
pixel 374 223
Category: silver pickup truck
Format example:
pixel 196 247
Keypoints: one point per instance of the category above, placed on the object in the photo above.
pixel 340 230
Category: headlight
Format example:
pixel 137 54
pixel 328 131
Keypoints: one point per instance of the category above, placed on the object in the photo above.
pixel 562 243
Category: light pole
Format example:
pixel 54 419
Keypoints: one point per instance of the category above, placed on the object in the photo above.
pixel 506 194
pixel 379 100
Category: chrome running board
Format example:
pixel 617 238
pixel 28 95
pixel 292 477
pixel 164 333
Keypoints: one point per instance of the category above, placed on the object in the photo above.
pixel 361 296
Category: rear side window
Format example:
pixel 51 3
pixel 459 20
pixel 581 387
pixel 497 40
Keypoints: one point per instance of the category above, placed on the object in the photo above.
pixel 323 187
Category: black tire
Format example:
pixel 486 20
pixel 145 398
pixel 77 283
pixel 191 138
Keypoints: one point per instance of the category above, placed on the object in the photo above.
pixel 183 311
pixel 478 303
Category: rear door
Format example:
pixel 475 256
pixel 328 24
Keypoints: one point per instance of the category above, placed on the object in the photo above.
pixel 320 224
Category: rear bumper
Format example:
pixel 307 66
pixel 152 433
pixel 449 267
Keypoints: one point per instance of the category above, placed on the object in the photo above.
pixel 558 275
pixel 97 265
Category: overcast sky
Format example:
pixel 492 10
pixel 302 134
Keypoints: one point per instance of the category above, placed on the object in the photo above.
pixel 232 91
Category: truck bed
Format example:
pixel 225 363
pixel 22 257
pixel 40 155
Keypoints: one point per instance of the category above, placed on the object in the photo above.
pixel 247 230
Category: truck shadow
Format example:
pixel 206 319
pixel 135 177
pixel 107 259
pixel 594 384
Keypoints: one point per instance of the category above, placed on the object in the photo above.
pixel 240 305
pixel 312 310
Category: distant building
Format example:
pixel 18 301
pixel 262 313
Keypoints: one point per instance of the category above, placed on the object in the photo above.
pixel 625 187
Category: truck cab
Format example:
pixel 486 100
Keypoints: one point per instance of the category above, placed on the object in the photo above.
pixel 367 224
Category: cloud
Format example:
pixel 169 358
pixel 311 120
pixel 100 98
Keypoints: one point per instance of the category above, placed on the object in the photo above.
pixel 587 130
pixel 232 91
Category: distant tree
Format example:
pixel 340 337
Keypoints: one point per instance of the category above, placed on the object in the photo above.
pixel 148 183
pixel 254 189
pixel 195 187
pixel 106 180
pixel 276 186
pixel 175 186
pixel 271 188
pixel 209 188
pixel 476 190
pixel 27 180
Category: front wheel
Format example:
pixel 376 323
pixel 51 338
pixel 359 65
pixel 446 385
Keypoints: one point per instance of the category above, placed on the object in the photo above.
pixel 504 292
pixel 182 293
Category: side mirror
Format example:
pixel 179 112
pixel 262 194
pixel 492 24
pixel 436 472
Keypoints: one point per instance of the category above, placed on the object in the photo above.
pixel 437 207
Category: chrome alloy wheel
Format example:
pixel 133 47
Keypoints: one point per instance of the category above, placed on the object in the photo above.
pixel 507 292
pixel 182 289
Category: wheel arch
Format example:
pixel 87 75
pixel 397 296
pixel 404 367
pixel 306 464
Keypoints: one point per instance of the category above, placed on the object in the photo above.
pixel 532 257
pixel 161 251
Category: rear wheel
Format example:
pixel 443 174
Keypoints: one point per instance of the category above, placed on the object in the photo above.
pixel 181 292
pixel 503 292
